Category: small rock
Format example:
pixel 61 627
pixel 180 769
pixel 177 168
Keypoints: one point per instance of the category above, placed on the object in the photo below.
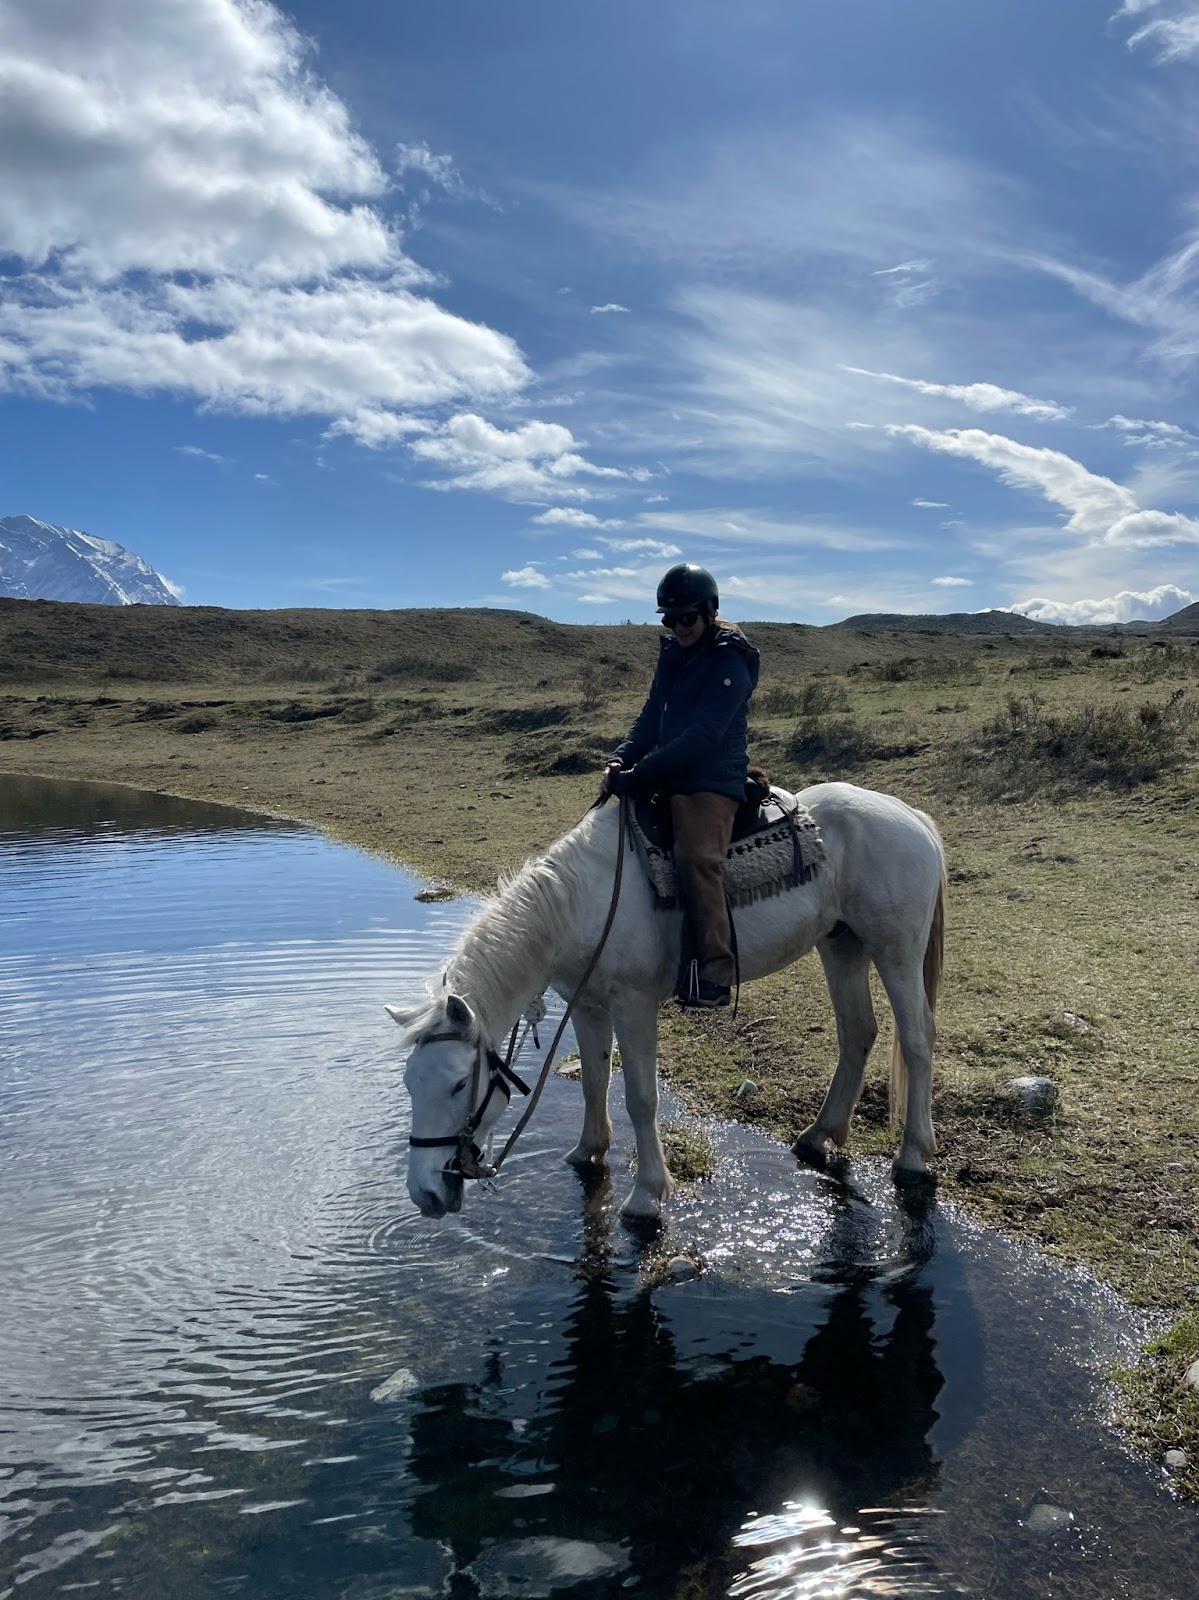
pixel 396 1387
pixel 1190 1377
pixel 1044 1517
pixel 1178 1166
pixel 679 1269
pixel 1037 1095
pixel 746 1087
pixel 430 896
pixel 1073 1020
pixel 1175 1460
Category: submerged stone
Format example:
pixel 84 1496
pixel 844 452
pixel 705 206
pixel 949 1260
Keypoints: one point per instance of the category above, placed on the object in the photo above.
pixel 1044 1517
pixel 396 1387
pixel 537 1567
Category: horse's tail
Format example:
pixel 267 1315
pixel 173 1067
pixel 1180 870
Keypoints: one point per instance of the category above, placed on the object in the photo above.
pixel 934 964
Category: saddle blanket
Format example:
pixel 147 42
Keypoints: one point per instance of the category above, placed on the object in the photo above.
pixel 780 855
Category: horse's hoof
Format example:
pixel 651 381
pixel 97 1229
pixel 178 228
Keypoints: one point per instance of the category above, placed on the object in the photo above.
pixel 811 1152
pixel 641 1211
pixel 585 1160
pixel 913 1177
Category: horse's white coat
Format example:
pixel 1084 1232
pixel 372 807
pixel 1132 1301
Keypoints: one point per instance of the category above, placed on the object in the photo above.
pixel 878 898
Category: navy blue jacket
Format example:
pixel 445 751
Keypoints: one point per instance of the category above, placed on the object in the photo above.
pixel 691 732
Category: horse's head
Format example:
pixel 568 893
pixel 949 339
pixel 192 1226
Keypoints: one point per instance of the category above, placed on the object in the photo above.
pixel 456 1083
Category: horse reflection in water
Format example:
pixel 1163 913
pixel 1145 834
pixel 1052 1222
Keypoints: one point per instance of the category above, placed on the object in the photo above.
pixel 664 1426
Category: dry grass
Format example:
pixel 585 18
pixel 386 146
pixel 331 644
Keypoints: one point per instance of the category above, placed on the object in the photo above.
pixel 1064 774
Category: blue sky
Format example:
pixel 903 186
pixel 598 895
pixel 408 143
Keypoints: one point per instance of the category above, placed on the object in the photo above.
pixel 864 306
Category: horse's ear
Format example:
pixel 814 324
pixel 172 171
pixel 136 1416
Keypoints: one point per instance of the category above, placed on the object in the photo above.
pixel 404 1016
pixel 458 1014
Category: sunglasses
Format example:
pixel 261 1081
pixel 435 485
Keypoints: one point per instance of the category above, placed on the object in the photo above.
pixel 680 619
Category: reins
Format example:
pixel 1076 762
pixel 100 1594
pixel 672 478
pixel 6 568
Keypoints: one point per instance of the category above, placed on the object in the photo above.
pixel 469 1161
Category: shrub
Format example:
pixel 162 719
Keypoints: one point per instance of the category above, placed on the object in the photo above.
pixel 524 719
pixel 1026 750
pixel 839 742
pixel 814 698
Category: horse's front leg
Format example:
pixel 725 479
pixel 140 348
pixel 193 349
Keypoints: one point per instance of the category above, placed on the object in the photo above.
pixel 593 1030
pixel 636 1018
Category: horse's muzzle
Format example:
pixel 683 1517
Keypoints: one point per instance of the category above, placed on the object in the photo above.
pixel 431 1203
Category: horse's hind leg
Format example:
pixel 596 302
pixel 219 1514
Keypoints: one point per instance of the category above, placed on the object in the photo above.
pixel 847 970
pixel 593 1030
pixel 916 1034
pixel 636 1017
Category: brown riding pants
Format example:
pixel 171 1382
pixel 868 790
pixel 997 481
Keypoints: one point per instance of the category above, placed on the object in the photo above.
pixel 703 827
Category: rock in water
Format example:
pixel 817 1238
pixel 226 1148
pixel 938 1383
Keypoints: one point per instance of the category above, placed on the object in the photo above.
pixel 396 1387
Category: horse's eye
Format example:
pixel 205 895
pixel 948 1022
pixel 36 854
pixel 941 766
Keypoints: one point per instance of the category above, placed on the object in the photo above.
pixel 458 1087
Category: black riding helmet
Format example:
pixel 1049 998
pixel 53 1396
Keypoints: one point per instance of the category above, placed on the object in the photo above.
pixel 687 586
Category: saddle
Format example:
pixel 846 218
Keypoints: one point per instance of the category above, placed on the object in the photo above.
pixel 776 845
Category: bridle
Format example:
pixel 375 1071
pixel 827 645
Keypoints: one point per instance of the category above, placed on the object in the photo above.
pixel 468 1160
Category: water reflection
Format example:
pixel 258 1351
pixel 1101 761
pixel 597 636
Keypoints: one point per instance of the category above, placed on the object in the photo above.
pixel 649 1437
pixel 211 1267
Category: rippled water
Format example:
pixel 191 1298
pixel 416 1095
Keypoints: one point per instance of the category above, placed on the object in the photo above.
pixel 235 1362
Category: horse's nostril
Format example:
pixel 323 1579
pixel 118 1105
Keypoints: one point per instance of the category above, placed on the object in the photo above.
pixel 429 1203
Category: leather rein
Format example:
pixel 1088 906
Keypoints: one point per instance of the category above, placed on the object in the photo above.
pixel 468 1160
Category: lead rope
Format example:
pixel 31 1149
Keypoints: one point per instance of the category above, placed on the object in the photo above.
pixel 582 984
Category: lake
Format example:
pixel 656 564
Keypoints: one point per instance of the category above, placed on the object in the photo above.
pixel 237 1362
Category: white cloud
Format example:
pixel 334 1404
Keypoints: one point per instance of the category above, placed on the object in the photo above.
pixel 1168 430
pixel 1148 528
pixel 611 306
pixel 1105 511
pixel 953 583
pixel 585 555
pixel 1127 606
pixel 420 159
pixel 1175 37
pixel 194 214
pixel 537 461
pixel 977 396
pixel 573 517
pixel 932 505
pixel 195 450
pixel 526 578
pixel 754 527
pixel 1094 503
pixel 645 547
pixel 376 429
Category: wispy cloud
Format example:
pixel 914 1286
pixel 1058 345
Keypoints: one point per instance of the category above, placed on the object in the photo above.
pixel 573 517
pixel 1098 507
pixel 1129 605
pixel 977 396
pixel 195 450
pixel 434 169
pixel 931 505
pixel 953 583
pixel 599 311
pixel 1175 36
pixel 741 527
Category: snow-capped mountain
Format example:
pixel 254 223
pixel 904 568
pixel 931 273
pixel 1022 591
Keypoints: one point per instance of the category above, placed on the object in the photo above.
pixel 41 562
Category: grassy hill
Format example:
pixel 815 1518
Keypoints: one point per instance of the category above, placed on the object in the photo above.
pixel 51 641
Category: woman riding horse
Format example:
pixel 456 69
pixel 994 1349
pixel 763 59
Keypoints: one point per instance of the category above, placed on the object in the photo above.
pixel 689 742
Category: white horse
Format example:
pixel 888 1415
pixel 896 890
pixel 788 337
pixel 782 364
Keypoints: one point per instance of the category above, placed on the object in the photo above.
pixel 877 897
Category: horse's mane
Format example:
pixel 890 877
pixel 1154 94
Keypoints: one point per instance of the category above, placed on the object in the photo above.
pixel 502 959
